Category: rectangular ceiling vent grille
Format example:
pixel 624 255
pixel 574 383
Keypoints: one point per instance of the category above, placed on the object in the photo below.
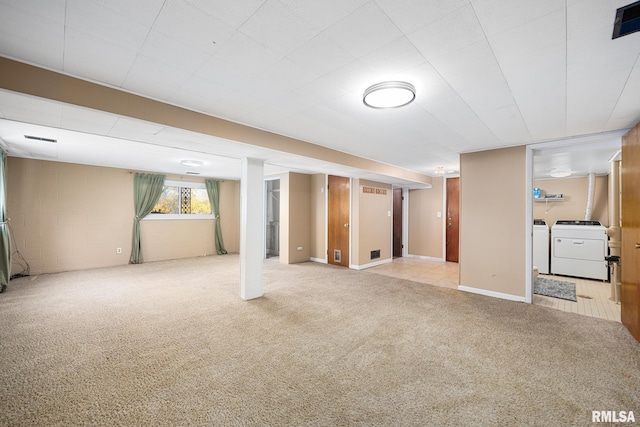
pixel 193 173
pixel 39 138
pixel 627 20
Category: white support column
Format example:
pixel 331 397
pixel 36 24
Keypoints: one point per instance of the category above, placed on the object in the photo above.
pixel 251 228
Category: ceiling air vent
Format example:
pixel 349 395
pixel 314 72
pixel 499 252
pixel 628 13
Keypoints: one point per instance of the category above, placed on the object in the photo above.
pixel 39 138
pixel 193 173
pixel 627 20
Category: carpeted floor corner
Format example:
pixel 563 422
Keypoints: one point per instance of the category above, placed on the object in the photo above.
pixel 171 343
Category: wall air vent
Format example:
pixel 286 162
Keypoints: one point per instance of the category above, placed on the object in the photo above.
pixel 627 20
pixel 39 138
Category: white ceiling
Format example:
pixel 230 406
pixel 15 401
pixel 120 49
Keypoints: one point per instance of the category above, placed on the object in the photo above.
pixel 488 74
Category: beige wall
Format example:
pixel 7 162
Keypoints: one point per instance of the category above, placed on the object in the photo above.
pixel 295 217
pixel 299 217
pixel 493 221
pixel 318 217
pixel 425 228
pixel 371 222
pixel 71 217
pixel 575 199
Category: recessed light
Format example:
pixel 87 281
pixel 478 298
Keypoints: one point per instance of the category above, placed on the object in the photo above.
pixel 192 163
pixel 389 95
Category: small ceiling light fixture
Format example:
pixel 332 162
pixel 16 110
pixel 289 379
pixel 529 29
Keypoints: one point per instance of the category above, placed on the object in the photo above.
pixel 389 95
pixel 192 163
pixel 440 170
pixel 560 173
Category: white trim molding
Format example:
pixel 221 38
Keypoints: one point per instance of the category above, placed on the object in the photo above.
pixel 320 260
pixel 492 294
pixel 426 258
pixel 371 264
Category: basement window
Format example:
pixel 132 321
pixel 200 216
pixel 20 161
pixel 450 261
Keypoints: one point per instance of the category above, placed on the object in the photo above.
pixel 182 200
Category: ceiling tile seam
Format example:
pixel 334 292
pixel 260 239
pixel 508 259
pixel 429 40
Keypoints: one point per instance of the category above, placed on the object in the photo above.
pixel 64 34
pixel 503 76
pixel 566 65
pixel 146 37
pixel 426 61
pixel 636 64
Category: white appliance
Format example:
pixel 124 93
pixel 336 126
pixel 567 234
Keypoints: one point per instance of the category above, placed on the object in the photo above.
pixel 541 245
pixel 578 248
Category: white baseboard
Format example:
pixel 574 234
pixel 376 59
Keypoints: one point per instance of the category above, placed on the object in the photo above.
pixel 372 264
pixel 491 293
pixel 320 260
pixel 426 258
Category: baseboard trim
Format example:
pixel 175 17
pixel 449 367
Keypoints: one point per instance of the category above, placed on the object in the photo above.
pixel 426 258
pixel 320 260
pixel 372 264
pixel 491 293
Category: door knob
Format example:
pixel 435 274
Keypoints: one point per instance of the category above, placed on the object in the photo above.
pixel 346 224
pixel 637 245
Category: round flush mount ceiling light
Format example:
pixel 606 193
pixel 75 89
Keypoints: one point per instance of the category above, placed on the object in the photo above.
pixel 192 163
pixel 389 95
pixel 560 173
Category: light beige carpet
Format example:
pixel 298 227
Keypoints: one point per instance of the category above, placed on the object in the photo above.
pixel 171 343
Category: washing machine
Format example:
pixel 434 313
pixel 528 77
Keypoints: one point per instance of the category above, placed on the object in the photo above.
pixel 541 245
pixel 579 248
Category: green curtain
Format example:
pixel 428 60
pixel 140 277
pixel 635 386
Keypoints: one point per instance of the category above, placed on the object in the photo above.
pixel 147 189
pixel 213 190
pixel 5 244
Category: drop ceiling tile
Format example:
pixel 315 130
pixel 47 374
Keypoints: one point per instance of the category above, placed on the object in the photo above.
pixel 625 114
pixel 154 79
pixel 410 15
pixel 30 109
pixel 365 30
pixel 587 16
pixel 323 14
pixel 354 76
pixel 137 130
pixel 320 56
pixel 31 37
pixel 96 59
pixel 246 53
pixel 94 20
pixel 287 75
pixel 394 58
pixel 497 16
pixel 188 25
pixel 320 90
pixel 453 32
pixel 86 120
pixel 173 52
pixel 231 13
pixel 142 12
pixel 278 28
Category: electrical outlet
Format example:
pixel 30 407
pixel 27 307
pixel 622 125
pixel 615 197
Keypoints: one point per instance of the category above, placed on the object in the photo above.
pixel 299 248
pixel 118 250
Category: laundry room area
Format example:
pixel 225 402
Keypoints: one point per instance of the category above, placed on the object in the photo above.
pixel 576 234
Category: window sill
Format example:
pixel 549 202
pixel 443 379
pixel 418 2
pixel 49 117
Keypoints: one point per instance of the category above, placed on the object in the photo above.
pixel 160 217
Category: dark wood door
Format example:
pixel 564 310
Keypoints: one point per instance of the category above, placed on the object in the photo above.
pixel 630 255
pixel 397 222
pixel 338 221
pixel 453 219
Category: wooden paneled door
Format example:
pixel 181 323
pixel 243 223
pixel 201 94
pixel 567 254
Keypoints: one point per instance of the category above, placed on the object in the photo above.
pixel 397 222
pixel 338 222
pixel 630 256
pixel 453 219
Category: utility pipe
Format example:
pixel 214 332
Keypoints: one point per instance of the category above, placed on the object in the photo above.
pixel 590 191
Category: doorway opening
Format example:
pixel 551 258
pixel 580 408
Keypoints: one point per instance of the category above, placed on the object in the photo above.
pixel 272 218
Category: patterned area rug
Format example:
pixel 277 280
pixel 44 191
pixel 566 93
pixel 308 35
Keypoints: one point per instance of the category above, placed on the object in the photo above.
pixel 555 288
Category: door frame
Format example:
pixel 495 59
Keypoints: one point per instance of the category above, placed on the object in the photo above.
pixel 530 154
pixel 326 218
